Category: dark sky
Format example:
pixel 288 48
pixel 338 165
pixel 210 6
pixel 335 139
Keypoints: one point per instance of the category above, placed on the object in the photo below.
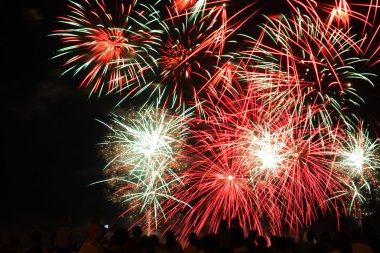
pixel 49 133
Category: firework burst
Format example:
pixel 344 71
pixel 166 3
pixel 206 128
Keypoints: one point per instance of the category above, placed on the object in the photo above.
pixel 358 158
pixel 274 142
pixel 110 51
pixel 193 53
pixel 217 187
pixel 307 60
pixel 189 53
pixel 260 166
pixel 145 156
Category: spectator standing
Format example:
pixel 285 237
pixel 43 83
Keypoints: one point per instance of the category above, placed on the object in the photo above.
pixel 93 242
pixel 323 243
pixel 237 236
pixel 134 241
pixel 250 241
pixel 358 244
pixel 118 242
pixel 308 245
pixel 262 245
pixel 341 243
pixel 223 237
pixel 171 244
pixel 193 243
pixel 62 237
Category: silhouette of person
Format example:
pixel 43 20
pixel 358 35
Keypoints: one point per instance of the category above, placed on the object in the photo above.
pixel 134 241
pixel 307 245
pixel 262 245
pixel 110 232
pixel 250 241
pixel 62 238
pixel 209 243
pixel 193 243
pixel 323 244
pixel 341 243
pixel 223 237
pixel 237 236
pixel 93 241
pixel 370 236
pixel 155 243
pixel 118 243
pixel 358 244
pixel 171 244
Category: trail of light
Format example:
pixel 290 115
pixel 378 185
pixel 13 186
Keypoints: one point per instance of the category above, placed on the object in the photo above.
pixel 282 160
pixel 340 14
pixel 145 155
pixel 275 141
pixel 111 51
pixel 314 64
pixel 358 157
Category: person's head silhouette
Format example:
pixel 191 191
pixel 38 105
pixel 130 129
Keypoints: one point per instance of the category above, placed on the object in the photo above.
pixel 235 222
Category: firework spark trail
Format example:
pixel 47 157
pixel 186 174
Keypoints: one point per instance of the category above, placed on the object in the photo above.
pixel 359 16
pixel 113 51
pixel 145 158
pixel 193 51
pixel 370 27
pixel 181 5
pixel 352 16
pixel 195 7
pixel 275 141
pixel 217 188
pixel 317 64
pixel 282 160
pixel 358 158
pixel 293 158
pixel 190 47
pixel 340 14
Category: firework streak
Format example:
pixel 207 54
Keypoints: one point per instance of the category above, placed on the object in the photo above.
pixel 247 112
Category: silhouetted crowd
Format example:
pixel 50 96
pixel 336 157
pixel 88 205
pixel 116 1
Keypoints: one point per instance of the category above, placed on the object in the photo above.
pixel 230 238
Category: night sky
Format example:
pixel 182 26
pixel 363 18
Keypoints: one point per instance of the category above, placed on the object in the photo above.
pixel 48 128
pixel 49 133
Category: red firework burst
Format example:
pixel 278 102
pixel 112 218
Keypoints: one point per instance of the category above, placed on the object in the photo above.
pixel 104 46
pixel 272 172
pixel 191 55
